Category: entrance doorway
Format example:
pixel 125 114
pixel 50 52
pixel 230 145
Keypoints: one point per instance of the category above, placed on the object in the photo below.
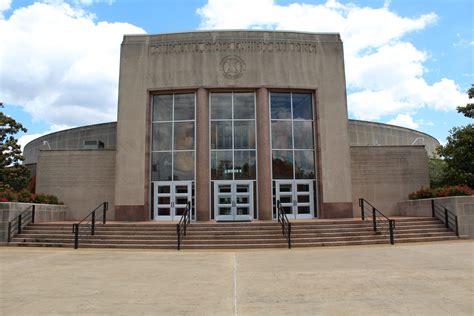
pixel 296 198
pixel 171 198
pixel 233 200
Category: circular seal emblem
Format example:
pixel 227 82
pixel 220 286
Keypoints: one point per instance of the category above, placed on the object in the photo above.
pixel 232 66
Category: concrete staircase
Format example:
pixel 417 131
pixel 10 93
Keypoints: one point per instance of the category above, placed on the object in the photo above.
pixel 233 235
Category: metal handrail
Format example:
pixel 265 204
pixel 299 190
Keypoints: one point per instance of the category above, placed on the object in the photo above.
pixel 183 222
pixel 449 217
pixel 19 221
pixel 378 219
pixel 91 222
pixel 285 223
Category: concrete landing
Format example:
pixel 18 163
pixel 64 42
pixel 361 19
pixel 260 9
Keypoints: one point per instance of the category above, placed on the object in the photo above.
pixel 410 279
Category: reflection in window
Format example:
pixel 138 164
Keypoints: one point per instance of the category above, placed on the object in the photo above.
pixel 292 135
pixel 172 140
pixel 281 106
pixel 244 106
pixel 304 164
pixel 184 136
pixel 221 165
pixel 161 166
pixel 183 165
pixel 245 165
pixel 221 106
pixel 303 134
pixel 244 134
pixel 281 135
pixel 282 164
pixel 302 106
pixel 161 136
pixel 233 154
pixel 221 135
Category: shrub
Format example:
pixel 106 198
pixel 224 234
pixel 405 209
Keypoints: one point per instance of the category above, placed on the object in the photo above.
pixel 8 195
pixel 426 193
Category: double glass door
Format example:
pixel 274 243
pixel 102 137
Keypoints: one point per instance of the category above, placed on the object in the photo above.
pixel 171 198
pixel 296 198
pixel 233 200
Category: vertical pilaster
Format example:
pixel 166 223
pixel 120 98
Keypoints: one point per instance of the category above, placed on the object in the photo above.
pixel 202 155
pixel 263 156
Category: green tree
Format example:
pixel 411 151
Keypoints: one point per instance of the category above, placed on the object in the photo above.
pixel 458 153
pixel 12 173
pixel 437 171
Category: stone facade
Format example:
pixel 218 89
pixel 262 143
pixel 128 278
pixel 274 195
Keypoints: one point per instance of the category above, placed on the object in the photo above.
pixel 385 175
pixel 43 213
pixel 462 206
pixel 81 179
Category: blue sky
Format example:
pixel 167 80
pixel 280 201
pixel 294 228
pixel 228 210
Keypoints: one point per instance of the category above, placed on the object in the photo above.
pixel 408 62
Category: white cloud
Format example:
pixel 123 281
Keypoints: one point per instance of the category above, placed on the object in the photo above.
pixel 384 72
pixel 59 64
pixel 404 120
pixel 4 6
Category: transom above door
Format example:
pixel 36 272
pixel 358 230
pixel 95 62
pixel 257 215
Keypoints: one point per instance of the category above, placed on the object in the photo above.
pixel 233 200
pixel 170 199
pixel 296 198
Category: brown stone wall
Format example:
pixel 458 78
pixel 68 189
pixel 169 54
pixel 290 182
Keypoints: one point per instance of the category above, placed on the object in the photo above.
pixel 385 175
pixel 81 179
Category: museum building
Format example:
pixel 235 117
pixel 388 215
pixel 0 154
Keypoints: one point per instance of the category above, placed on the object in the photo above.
pixel 232 121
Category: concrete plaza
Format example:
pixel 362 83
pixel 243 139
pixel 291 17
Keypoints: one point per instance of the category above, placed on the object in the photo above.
pixel 407 279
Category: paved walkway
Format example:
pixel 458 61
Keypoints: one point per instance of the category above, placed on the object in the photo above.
pixel 411 279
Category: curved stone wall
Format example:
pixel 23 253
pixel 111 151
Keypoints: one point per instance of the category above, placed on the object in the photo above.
pixel 71 139
pixel 361 133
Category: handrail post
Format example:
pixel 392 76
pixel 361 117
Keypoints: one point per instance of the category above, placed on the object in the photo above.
pixel 104 210
pixel 457 226
pixel 289 235
pixel 361 204
pixel 446 217
pixel 75 228
pixel 19 224
pixel 432 208
pixel 93 223
pixel 33 211
pixel 374 220
pixel 179 236
pixel 391 225
pixel 9 231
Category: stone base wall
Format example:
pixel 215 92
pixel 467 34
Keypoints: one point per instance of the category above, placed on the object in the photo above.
pixel 462 206
pixel 43 213
pixel 384 175
pixel 81 179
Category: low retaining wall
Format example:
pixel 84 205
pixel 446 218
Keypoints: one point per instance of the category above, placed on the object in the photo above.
pixel 462 206
pixel 43 213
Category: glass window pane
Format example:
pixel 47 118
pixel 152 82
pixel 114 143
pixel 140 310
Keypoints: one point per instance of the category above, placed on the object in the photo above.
pixel 304 164
pixel 282 164
pixel 244 105
pixel 184 135
pixel 183 165
pixel 161 166
pixel 221 165
pixel 302 106
pixel 244 134
pixel 303 134
pixel 221 106
pixel 280 105
pixel 245 165
pixel 281 135
pixel 161 136
pixel 184 106
pixel 162 107
pixel 221 135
